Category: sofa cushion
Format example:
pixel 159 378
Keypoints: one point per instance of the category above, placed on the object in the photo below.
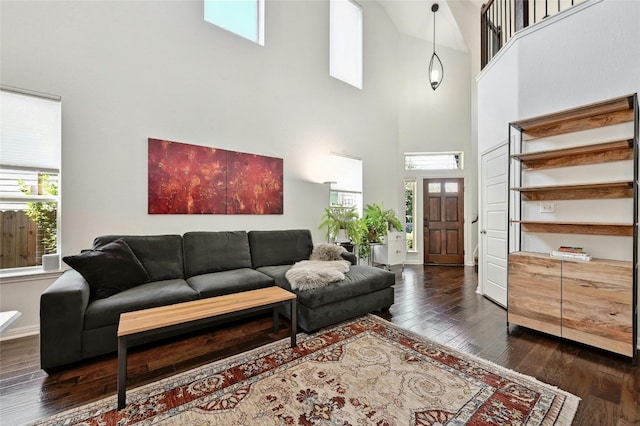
pixel 107 311
pixel 360 279
pixel 277 273
pixel 109 269
pixel 226 282
pixel 206 252
pixel 284 247
pixel 161 255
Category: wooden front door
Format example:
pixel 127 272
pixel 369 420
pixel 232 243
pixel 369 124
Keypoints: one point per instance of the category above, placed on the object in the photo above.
pixel 444 221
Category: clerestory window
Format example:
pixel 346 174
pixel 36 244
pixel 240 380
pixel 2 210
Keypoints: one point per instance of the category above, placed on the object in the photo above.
pixel 346 41
pixel 242 17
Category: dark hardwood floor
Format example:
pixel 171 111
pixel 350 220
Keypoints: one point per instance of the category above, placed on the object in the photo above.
pixel 438 302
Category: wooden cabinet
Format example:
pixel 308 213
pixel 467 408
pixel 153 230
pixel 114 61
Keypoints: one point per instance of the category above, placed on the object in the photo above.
pixel 534 297
pixel 597 304
pixel 593 302
pixel 394 252
pixel 588 302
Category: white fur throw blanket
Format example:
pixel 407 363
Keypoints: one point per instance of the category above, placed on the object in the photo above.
pixel 325 266
pixel 309 274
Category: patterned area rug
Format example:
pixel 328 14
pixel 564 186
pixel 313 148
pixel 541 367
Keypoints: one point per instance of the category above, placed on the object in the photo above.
pixel 363 372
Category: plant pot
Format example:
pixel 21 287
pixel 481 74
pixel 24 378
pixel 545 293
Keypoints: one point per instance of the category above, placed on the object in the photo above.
pixel 51 262
pixel 347 245
pixel 341 236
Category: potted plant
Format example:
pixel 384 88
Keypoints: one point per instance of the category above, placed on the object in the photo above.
pixel 375 225
pixel 340 223
pixel 379 221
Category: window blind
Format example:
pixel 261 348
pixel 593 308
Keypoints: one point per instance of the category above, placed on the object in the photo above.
pixel 30 131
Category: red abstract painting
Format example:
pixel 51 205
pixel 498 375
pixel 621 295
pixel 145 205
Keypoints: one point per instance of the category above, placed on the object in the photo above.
pixel 193 179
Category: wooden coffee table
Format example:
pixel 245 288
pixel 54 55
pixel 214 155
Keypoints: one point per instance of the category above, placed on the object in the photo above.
pixel 156 320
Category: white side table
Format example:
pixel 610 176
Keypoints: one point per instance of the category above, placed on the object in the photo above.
pixel 7 318
pixel 394 252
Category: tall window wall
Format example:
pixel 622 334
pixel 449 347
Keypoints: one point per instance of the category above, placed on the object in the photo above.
pixel 30 135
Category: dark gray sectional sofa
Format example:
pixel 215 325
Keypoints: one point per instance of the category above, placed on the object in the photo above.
pixel 74 325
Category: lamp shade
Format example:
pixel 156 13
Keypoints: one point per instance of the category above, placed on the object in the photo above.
pixel 436 71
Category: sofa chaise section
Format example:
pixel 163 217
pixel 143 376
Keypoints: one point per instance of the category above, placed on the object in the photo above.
pixel 365 288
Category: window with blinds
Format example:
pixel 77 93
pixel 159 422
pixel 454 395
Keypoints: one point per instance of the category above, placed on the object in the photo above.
pixel 30 139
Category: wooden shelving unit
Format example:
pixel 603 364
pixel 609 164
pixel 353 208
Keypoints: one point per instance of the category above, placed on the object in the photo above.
pixel 614 111
pixel 582 191
pixel 593 302
pixel 585 228
pixel 586 154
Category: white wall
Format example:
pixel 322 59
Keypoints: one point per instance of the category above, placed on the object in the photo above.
pixel 437 120
pixel 583 55
pixel 127 71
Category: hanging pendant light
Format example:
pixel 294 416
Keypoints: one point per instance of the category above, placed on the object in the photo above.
pixel 436 70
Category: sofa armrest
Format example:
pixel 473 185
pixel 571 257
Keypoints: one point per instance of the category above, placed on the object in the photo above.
pixel 351 257
pixel 62 308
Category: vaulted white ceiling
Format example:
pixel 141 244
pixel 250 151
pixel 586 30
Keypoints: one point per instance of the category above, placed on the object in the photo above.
pixel 415 18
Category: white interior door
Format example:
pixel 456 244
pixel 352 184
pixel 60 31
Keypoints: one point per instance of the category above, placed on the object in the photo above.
pixel 493 224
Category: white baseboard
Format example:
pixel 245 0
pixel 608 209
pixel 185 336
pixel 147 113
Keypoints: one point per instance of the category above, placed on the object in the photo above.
pixel 17 332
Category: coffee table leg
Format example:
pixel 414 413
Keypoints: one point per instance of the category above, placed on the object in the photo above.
pixel 294 322
pixel 276 320
pixel 122 372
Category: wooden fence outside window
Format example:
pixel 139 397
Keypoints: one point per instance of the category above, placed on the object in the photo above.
pixel 21 240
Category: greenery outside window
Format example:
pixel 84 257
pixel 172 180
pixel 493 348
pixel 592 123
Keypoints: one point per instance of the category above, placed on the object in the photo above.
pixel 410 213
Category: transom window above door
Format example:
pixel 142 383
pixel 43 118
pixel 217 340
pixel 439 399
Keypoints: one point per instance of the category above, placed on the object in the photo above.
pixel 433 161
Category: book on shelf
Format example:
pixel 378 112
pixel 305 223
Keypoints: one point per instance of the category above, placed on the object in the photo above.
pixel 569 249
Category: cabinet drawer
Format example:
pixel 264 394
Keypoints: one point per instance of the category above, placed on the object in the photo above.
pixel 534 295
pixel 597 304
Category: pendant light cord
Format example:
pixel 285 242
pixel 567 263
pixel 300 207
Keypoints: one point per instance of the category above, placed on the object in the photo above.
pixel 434 31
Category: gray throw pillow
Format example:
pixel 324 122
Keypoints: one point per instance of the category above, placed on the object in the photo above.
pixel 109 269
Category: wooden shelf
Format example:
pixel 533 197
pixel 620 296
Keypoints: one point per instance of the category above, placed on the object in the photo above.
pixel 585 228
pixel 614 111
pixel 618 263
pixel 617 150
pixel 583 191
